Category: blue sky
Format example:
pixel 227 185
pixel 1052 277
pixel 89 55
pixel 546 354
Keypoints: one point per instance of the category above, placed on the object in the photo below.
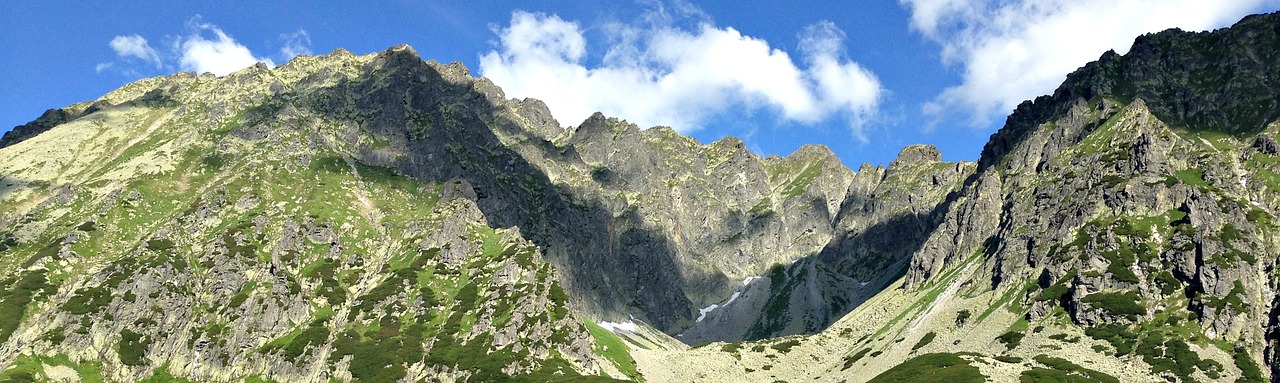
pixel 864 78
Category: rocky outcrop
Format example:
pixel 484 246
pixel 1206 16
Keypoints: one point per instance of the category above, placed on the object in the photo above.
pixel 1133 194
pixel 49 119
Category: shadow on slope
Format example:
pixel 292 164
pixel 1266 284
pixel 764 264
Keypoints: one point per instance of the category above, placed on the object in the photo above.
pixel 611 263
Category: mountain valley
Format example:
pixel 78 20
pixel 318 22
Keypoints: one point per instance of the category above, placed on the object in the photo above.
pixel 383 218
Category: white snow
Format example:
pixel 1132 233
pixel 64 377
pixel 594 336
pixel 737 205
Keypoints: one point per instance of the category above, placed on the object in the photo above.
pixel 702 312
pixel 732 297
pixel 748 280
pixel 627 326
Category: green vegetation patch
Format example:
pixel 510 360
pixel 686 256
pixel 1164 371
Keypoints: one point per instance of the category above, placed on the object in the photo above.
pixel 1127 304
pixel 940 367
pixel 29 368
pixel 1249 370
pixel 298 342
pixel 132 348
pixel 849 360
pixel 1175 356
pixel 777 306
pixel 924 341
pixel 1055 291
pixel 802 181
pixel 15 294
pixel 1120 337
pixel 611 347
pixel 785 346
pixel 1011 339
pixel 1063 371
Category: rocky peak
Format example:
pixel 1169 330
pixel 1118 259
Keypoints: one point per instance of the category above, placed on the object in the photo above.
pixel 1223 80
pixel 913 155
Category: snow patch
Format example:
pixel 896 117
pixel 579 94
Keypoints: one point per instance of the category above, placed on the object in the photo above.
pixel 748 280
pixel 702 312
pixel 732 297
pixel 613 327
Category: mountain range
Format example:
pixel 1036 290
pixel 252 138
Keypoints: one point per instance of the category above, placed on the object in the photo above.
pixel 384 218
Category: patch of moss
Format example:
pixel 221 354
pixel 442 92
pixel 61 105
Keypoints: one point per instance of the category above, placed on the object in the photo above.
pixel 159 245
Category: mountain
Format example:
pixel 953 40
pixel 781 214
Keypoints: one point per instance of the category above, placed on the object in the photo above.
pixel 1121 229
pixel 382 218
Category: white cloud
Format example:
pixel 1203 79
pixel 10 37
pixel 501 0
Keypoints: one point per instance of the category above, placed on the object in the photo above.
pixel 295 44
pixel 1013 50
pixel 134 46
pixel 220 55
pixel 102 66
pixel 655 73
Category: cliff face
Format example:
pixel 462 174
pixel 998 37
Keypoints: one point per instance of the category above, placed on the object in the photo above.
pixel 1140 192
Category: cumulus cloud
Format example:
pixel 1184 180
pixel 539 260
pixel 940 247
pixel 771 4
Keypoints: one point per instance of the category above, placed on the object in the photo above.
pixel 136 47
pixel 1013 50
pixel 656 73
pixel 220 54
pixel 204 48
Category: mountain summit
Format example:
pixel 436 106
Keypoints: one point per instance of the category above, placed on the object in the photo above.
pixel 385 218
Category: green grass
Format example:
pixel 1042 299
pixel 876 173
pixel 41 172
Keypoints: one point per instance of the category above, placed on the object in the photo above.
pixel 1059 288
pixel 777 306
pixel 17 293
pixel 1063 371
pixel 611 347
pixel 298 342
pixel 161 375
pixel 1005 299
pixel 935 288
pixel 932 368
pixel 26 368
pixel 797 185
pixel 1192 177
